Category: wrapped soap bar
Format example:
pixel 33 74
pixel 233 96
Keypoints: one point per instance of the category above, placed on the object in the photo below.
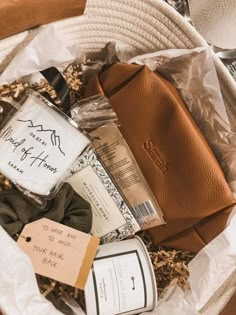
pixel 113 218
pixel 38 144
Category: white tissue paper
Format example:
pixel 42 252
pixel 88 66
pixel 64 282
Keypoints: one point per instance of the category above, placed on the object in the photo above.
pixel 212 279
pixel 46 49
pixel 19 292
pixel 174 303
pixel 213 265
pixel 73 305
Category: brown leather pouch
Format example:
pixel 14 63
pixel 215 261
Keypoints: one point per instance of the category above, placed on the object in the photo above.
pixel 230 308
pixel 173 155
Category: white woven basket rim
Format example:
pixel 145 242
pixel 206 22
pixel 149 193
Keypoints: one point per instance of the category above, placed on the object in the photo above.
pixel 146 25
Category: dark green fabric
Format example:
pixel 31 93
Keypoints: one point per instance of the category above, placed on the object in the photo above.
pixel 67 207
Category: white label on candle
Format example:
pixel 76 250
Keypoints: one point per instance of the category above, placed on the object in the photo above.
pixel 37 146
pixel 119 283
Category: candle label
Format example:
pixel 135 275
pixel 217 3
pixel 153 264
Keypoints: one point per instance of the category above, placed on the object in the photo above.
pixel 119 283
pixel 38 145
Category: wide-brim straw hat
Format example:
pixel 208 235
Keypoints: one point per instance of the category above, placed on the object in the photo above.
pixel 146 25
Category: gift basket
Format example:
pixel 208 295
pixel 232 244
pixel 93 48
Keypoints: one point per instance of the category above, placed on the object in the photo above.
pixel 117 127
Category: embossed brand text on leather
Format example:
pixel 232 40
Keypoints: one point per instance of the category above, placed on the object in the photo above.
pixel 152 150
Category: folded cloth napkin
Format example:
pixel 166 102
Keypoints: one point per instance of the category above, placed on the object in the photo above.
pixel 173 155
pixel 20 15
pixel 67 207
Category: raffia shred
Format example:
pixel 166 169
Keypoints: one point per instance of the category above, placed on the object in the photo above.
pixel 168 264
pixel 72 75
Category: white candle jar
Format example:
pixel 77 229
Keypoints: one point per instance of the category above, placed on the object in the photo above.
pixel 38 144
pixel 121 280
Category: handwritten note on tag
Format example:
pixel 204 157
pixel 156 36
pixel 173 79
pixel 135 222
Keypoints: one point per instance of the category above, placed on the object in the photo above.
pixel 58 251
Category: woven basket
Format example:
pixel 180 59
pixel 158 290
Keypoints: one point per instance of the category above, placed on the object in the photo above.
pixel 147 26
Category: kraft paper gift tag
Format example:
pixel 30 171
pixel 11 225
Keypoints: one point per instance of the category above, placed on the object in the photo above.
pixel 58 251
